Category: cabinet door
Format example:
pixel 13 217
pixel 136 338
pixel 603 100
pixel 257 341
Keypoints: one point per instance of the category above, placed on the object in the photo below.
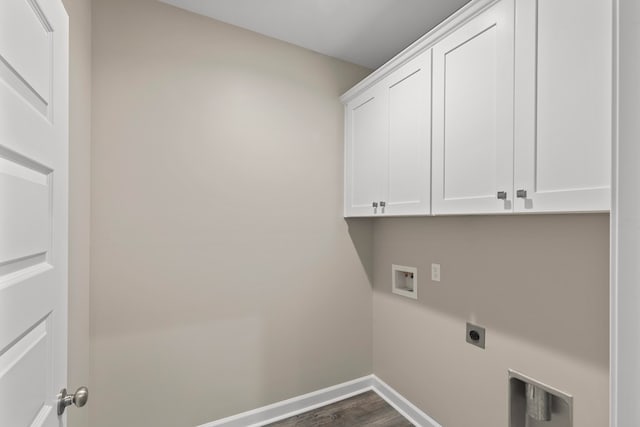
pixel 409 155
pixel 473 115
pixel 563 105
pixel 366 153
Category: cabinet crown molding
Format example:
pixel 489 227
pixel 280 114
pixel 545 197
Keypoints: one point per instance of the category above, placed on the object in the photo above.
pixel 425 42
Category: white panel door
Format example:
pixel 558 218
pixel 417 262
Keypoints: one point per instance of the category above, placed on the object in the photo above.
pixel 33 210
pixel 563 105
pixel 409 155
pixel 473 115
pixel 366 153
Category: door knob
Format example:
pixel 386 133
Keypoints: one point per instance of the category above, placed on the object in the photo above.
pixel 502 195
pixel 79 398
pixel 522 194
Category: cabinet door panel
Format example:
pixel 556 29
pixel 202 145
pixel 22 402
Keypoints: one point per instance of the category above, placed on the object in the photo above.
pixel 563 107
pixel 409 97
pixel 366 153
pixel 473 115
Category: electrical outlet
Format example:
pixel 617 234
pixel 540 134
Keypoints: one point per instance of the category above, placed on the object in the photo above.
pixel 475 335
pixel 435 272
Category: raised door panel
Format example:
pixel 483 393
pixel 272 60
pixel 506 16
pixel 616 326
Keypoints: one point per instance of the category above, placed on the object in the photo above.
pixel 473 115
pixel 409 98
pixel 366 153
pixel 26 51
pixel 563 105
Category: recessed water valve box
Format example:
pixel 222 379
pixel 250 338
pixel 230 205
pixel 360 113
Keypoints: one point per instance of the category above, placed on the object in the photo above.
pixel 535 404
pixel 404 281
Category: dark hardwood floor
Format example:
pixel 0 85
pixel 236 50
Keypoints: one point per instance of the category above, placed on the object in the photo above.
pixel 366 409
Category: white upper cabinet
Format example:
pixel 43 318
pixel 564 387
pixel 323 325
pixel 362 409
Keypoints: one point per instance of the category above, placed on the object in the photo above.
pixel 409 102
pixel 473 115
pixel 563 105
pixel 388 144
pixel 366 153
pixel 504 108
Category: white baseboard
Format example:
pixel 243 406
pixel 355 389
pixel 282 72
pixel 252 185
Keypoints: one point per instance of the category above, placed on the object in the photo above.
pixel 308 402
pixel 296 405
pixel 408 410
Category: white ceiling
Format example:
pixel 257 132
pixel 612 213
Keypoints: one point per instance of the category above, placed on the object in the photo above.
pixel 365 32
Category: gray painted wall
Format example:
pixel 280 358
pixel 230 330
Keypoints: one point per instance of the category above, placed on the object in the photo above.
pixel 539 284
pixel 223 275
